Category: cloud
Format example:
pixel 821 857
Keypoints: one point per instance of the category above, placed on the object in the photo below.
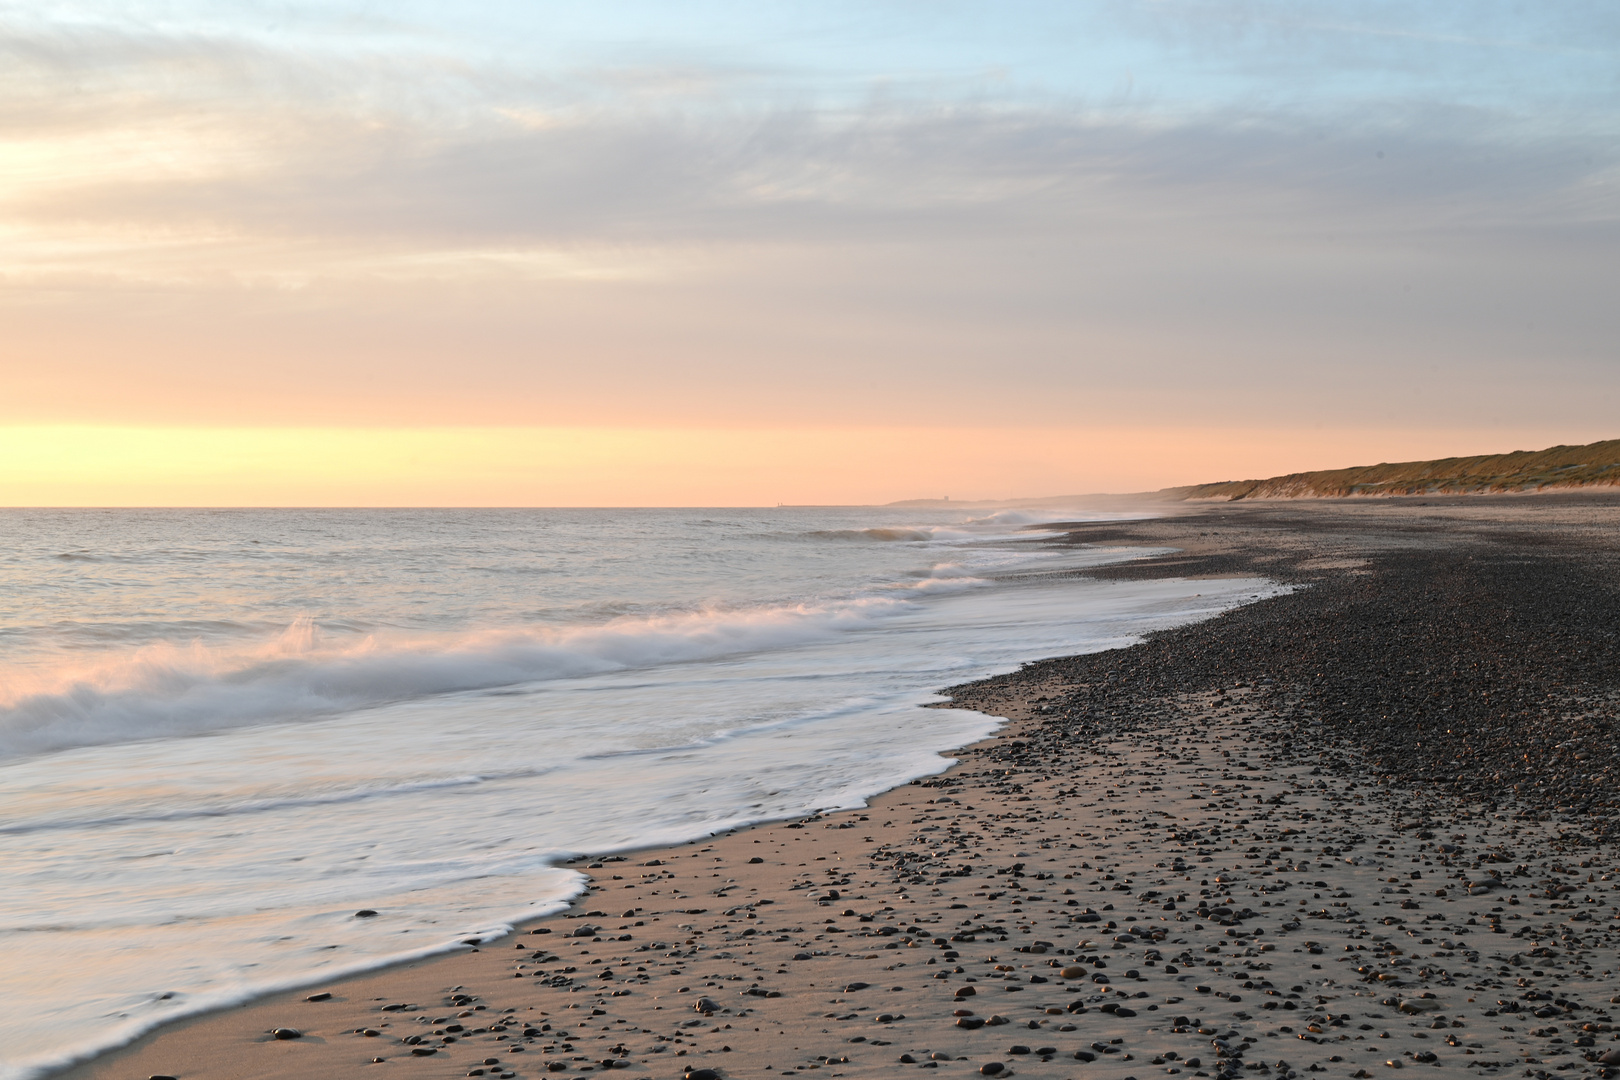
pixel 425 228
pixel 216 140
pixel 795 177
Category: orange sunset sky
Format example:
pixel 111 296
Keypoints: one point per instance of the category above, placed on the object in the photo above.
pixel 741 254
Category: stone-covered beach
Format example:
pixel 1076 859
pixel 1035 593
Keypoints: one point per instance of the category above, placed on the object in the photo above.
pixel 1360 827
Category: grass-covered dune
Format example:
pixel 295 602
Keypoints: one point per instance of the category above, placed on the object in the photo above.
pixel 1522 470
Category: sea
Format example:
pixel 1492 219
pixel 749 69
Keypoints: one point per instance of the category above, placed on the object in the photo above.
pixel 223 733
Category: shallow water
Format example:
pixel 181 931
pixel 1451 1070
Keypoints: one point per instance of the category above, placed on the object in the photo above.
pixel 224 732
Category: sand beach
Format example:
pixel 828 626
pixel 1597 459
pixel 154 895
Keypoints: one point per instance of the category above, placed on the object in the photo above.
pixel 1363 826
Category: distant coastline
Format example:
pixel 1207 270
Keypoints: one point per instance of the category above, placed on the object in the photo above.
pixel 1521 471
pixel 1558 467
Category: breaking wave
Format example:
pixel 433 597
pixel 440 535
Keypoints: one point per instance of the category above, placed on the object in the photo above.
pixel 883 536
pixel 168 690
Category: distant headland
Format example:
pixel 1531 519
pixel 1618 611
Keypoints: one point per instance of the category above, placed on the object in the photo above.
pixel 1557 467
pixel 1593 465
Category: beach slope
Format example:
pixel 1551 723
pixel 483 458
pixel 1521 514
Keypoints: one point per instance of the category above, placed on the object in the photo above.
pixel 1357 827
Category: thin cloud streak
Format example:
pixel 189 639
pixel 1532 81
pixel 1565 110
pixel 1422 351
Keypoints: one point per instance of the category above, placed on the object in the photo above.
pixel 797 178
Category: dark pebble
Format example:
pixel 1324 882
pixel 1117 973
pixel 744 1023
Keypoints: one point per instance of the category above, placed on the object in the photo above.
pixel 323 996
pixel 287 1033
pixel 365 913
pixel 755 859
pixel 702 1074
pixel 992 1068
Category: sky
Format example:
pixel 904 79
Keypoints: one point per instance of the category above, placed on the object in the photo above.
pixel 716 253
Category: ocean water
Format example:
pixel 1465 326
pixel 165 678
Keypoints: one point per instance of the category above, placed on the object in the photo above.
pixel 222 733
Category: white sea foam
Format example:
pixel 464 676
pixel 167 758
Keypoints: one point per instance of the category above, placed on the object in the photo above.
pixel 122 1032
pixel 166 690
pixel 1000 524
pixel 1017 518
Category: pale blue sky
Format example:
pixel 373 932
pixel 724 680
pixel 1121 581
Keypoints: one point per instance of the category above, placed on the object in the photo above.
pixel 1178 57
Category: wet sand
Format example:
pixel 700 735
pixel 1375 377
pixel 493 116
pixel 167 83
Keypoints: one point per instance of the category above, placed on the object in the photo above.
pixel 1204 855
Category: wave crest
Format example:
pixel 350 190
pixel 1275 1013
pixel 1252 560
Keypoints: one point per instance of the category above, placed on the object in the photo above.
pixel 167 690
pixel 887 536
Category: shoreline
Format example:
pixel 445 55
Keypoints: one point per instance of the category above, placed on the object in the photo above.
pixel 236 1041
pixel 435 954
